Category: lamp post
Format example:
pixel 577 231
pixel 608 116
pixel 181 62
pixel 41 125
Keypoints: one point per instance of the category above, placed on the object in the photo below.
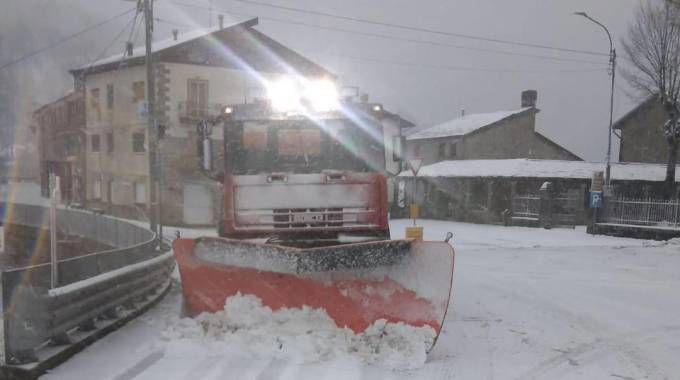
pixel 612 60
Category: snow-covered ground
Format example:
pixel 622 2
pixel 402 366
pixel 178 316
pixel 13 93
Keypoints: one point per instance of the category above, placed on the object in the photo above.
pixel 527 303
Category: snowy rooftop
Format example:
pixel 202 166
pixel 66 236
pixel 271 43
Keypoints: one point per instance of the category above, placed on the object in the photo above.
pixel 157 46
pixel 463 125
pixel 527 168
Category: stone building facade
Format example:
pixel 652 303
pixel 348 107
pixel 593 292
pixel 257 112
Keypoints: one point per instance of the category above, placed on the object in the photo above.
pixel 641 131
pixel 60 129
pixel 497 135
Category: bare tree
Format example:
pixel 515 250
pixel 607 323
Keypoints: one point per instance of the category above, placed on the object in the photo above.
pixel 653 49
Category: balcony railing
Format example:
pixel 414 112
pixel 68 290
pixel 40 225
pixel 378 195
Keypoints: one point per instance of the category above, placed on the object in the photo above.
pixel 190 111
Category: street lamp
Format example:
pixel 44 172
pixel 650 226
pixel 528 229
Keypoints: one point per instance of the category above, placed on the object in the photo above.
pixel 612 60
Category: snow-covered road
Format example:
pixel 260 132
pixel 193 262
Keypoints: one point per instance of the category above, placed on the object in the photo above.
pixel 527 304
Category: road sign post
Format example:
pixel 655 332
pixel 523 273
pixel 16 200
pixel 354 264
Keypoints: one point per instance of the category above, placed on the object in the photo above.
pixel 414 232
pixel 415 167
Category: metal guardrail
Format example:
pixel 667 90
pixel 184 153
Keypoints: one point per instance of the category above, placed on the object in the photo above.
pixel 91 287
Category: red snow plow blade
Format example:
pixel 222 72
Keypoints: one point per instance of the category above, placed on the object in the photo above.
pixel 356 284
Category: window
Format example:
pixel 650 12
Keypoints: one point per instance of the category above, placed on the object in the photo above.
pixel 109 96
pixel 71 106
pixel 416 150
pixel 138 91
pixel 72 145
pixel 97 189
pixel 109 190
pixel 255 137
pixel 442 150
pixel 197 97
pixel 140 192
pixel 138 142
pixel 109 142
pixel 453 150
pixel 94 103
pixel 95 143
pixel 299 142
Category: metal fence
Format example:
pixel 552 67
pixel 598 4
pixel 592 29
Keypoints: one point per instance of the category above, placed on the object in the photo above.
pixel 564 209
pixel 526 207
pixel 641 212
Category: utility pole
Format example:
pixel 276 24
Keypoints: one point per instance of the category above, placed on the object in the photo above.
pixel 54 259
pixel 151 117
pixel 210 9
pixel 612 61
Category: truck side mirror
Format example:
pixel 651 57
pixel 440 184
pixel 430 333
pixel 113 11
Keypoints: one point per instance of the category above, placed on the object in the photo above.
pixel 207 154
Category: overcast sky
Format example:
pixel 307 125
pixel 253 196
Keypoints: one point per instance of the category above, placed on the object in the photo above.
pixel 424 82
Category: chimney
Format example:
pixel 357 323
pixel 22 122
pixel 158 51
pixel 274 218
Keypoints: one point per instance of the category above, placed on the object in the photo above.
pixel 221 21
pixel 529 98
pixel 128 49
pixel 175 33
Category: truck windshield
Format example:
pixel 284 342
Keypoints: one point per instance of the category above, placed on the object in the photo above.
pixel 303 147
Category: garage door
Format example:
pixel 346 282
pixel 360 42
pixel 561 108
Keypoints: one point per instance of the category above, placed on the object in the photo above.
pixel 198 204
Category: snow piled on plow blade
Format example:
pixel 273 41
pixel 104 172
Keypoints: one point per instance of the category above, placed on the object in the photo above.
pixel 356 286
pixel 300 336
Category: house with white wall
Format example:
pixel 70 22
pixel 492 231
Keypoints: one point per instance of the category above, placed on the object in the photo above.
pixel 197 73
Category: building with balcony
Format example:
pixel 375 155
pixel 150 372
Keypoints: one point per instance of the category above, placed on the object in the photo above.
pixel 197 73
pixel 60 129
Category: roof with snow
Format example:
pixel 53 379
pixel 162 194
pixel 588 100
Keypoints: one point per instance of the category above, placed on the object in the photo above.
pixel 555 145
pixel 237 45
pixel 464 124
pixel 528 168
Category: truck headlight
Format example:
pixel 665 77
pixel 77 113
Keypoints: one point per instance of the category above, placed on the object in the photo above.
pixel 322 95
pixel 284 95
pixel 288 95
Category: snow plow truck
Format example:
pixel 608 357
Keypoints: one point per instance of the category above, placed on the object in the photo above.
pixel 305 216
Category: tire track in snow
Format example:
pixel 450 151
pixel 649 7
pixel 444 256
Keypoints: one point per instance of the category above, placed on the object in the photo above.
pixel 590 352
pixel 141 366
pixel 203 368
pixel 273 370
pixel 606 340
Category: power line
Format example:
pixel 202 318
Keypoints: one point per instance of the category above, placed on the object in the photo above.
pixel 177 24
pixel 388 37
pixel 65 39
pixel 462 68
pixel 437 67
pixel 454 68
pixel 419 29
pixel 434 43
pixel 101 55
